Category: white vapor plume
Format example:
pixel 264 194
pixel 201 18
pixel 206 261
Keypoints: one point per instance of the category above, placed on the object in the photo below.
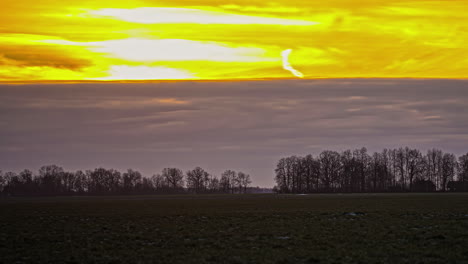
pixel 287 66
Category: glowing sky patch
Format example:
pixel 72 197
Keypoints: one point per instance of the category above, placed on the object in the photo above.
pixel 69 40
pixel 143 50
pixel 167 15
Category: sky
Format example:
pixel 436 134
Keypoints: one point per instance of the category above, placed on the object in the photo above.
pixel 243 125
pixel 235 39
pixel 231 84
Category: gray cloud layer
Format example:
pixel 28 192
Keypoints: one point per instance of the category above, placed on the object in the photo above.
pixel 221 125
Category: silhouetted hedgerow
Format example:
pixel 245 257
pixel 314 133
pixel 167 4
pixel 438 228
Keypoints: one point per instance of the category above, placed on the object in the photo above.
pixel 54 180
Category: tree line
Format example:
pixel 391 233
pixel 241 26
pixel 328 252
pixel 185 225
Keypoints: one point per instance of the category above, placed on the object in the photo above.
pixel 54 180
pixel 392 170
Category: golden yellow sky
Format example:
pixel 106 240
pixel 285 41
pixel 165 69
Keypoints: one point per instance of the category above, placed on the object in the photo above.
pixel 208 39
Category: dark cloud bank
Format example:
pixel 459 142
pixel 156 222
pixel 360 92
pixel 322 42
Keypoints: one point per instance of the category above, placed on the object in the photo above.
pixel 224 125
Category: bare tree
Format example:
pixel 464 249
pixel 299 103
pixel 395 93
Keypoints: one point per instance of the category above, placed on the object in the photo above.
pixel 81 182
pixel 197 180
pixel 330 169
pixel 132 180
pixel 281 178
pixel 434 166
pixel 401 167
pixel 174 177
pixel 68 182
pixel 103 181
pixel 463 168
pixel 243 181
pixel 213 184
pixel 159 182
pixel 12 182
pixel 3 182
pixel 50 179
pixel 414 165
pixel 449 167
pixel 311 170
pixel 227 181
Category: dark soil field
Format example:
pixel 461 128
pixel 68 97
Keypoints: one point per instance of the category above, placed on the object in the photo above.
pixel 328 228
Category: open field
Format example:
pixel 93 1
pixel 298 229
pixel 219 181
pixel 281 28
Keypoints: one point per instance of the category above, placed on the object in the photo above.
pixel 321 228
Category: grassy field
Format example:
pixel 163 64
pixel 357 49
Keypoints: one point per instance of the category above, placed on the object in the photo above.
pixel 322 228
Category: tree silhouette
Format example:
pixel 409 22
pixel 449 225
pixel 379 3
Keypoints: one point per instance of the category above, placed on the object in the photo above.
pixel 463 168
pixel 197 180
pixel 54 180
pixel 400 169
pixel 132 181
pixel 242 181
pixel 227 181
pixel 174 178
pixel 356 171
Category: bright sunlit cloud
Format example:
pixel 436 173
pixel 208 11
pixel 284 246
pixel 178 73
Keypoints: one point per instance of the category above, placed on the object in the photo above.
pixel 177 50
pixel 167 15
pixel 154 50
pixel 99 39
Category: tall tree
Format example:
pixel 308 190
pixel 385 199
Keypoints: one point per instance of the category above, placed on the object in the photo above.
pixel 50 179
pixel 434 166
pixel 463 168
pixel 400 164
pixel 3 182
pixel 159 182
pixel 132 180
pixel 243 181
pixel 227 181
pixel 103 181
pixel 449 167
pixel 330 169
pixel 174 178
pixel 414 165
pixel 213 184
pixel 281 178
pixel 81 182
pixel 197 180
pixel 311 168
pixel 68 182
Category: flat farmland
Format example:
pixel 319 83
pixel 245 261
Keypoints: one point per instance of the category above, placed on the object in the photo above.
pixel 264 228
